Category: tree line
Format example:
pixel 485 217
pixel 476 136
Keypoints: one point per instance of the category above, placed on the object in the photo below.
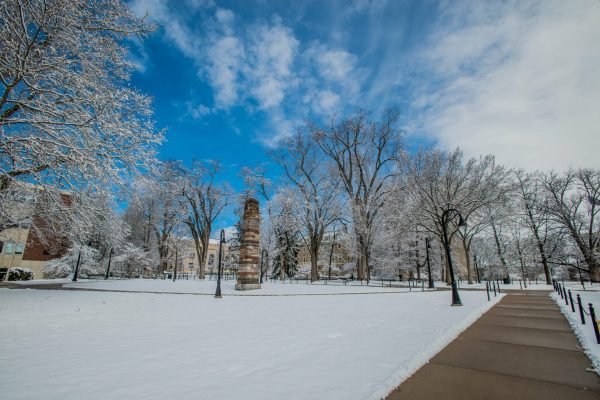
pixel 79 139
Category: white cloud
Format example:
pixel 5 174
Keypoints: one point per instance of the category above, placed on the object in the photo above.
pixel 262 66
pixel 224 16
pixel 518 81
pixel 327 102
pixel 224 59
pixel 336 65
pixel 272 52
pixel 197 111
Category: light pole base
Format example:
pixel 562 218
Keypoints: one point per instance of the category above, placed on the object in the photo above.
pixel 459 304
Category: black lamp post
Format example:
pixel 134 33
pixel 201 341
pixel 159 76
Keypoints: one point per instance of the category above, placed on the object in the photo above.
pixel 221 241
pixel 447 215
pixel 427 247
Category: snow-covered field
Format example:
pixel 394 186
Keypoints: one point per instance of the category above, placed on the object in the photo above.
pixel 515 285
pixel 115 345
pixel 227 287
pixel 585 333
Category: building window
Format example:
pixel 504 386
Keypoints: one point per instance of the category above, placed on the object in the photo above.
pixel 8 248
pixel 19 248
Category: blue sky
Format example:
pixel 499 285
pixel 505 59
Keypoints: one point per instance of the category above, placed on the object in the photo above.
pixel 518 79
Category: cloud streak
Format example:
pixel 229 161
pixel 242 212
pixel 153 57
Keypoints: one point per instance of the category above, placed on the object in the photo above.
pixel 520 80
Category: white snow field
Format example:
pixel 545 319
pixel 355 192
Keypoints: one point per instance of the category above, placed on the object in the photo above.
pixel 113 345
pixel 208 287
pixel 585 333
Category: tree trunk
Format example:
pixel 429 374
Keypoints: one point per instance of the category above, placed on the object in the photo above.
pixel 205 242
pixel 540 245
pixel 282 265
pixel 361 267
pixel 314 265
pixel 594 267
pixel 523 271
pixel 500 253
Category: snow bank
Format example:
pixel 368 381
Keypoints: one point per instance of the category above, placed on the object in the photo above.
pixel 112 345
pixel 585 333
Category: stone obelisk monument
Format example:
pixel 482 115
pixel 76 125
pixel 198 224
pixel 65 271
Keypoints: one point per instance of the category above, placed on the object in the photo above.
pixel 247 277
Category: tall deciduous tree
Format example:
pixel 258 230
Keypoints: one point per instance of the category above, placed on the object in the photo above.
pixel 574 203
pixel 533 203
pixel 438 181
pixel 204 201
pixel 318 193
pixel 364 154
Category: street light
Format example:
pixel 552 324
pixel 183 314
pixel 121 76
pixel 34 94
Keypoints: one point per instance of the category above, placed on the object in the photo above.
pixel 427 247
pixel 218 292
pixel 446 216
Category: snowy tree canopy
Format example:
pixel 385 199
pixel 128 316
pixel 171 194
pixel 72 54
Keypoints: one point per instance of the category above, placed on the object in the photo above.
pixel 68 116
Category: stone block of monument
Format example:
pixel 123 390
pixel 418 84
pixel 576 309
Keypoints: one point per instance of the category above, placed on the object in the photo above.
pixel 248 272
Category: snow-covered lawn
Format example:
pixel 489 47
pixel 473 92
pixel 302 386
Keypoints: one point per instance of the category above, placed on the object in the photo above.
pixel 227 287
pixel 515 285
pixel 585 333
pixel 114 345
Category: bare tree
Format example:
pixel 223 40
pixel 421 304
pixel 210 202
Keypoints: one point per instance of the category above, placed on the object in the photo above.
pixel 159 201
pixel 439 181
pixel 533 204
pixel 364 154
pixel 574 203
pixel 204 201
pixel 319 206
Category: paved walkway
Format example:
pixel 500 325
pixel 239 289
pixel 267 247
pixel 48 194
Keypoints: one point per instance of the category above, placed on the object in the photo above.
pixel 523 348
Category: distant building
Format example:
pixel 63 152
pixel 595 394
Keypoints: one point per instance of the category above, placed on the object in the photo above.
pixel 190 264
pixel 21 243
pixel 340 256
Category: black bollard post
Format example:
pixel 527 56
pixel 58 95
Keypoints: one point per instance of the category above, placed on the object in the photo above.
pixel 494 287
pixel 594 322
pixel 498 287
pixel 487 289
pixel 520 286
pixel 571 300
pixel 580 310
pixel 565 292
pixel 560 291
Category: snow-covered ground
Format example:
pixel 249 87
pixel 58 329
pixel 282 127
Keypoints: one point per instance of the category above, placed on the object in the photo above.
pixel 585 333
pixel 515 285
pixel 115 345
pixel 227 287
